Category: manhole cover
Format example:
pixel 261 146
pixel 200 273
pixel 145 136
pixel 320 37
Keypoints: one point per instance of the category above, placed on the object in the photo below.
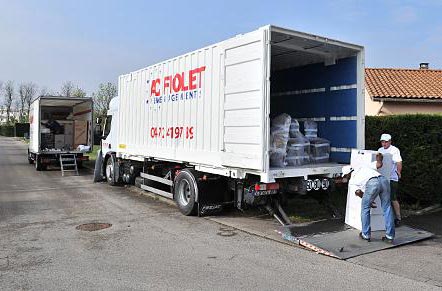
pixel 93 226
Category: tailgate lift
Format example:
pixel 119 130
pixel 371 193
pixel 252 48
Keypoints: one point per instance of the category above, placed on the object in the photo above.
pixel 336 239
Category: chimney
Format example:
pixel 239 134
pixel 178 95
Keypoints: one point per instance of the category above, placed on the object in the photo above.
pixel 424 66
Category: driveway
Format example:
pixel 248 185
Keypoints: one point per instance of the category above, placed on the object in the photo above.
pixel 150 245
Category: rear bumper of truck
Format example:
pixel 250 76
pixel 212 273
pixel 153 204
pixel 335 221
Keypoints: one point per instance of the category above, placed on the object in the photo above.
pixel 53 157
pixel 329 170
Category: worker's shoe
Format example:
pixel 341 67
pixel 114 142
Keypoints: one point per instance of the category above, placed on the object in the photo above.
pixel 397 222
pixel 361 236
pixel 387 239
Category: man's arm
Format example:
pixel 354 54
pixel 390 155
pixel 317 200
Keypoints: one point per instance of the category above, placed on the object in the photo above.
pixel 379 159
pixel 399 169
pixel 354 182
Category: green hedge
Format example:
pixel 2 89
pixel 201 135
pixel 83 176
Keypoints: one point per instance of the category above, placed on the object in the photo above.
pixel 419 138
pixel 7 130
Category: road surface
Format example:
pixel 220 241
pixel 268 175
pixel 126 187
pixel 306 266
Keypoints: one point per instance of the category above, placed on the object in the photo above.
pixel 150 245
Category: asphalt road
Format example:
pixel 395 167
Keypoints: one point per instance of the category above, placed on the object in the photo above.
pixel 149 246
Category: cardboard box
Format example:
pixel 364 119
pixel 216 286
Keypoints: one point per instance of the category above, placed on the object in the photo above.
pixel 80 132
pixel 69 141
pixel 59 141
pixel 69 129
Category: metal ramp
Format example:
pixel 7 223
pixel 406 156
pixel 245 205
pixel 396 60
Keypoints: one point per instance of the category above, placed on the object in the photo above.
pixel 334 238
pixel 68 163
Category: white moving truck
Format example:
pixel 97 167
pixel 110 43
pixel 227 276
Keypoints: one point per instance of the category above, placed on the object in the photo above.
pixel 197 128
pixel 58 126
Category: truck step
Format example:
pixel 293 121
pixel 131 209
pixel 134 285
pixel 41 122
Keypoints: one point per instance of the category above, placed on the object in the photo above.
pixel 67 162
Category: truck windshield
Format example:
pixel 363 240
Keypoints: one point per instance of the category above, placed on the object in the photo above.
pixel 107 125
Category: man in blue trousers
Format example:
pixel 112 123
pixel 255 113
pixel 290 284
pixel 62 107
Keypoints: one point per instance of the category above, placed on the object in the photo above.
pixel 369 183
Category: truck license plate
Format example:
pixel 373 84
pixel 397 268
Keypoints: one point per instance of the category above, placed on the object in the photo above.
pixel 317 184
pixel 266 192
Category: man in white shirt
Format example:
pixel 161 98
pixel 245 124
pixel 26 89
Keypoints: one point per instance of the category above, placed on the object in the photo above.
pixel 369 183
pixel 396 170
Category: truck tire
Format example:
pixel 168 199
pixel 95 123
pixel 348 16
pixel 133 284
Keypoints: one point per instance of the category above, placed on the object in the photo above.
pixel 186 191
pixel 110 168
pixel 138 181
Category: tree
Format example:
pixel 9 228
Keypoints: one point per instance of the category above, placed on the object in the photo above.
pixel 26 92
pixel 45 92
pixel 102 98
pixel 78 92
pixel 67 89
pixel 21 101
pixel 30 91
pixel 9 98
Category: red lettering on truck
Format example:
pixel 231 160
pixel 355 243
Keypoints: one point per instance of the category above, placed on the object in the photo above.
pixel 154 90
pixel 178 82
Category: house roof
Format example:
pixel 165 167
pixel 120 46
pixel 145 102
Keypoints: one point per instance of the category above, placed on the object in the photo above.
pixel 406 84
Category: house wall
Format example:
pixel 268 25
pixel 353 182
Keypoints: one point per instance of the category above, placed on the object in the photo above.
pixel 374 108
pixel 411 108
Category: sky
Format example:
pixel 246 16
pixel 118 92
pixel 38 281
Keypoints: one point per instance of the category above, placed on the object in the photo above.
pixel 90 42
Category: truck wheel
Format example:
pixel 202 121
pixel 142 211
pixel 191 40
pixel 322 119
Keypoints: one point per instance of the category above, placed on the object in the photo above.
pixel 110 171
pixel 185 192
pixel 38 165
pixel 138 181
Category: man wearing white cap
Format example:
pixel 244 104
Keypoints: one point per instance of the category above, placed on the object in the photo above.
pixel 369 183
pixel 396 170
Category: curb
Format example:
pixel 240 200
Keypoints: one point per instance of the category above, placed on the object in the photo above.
pixel 154 196
pixel 429 209
pixel 170 202
pixel 252 232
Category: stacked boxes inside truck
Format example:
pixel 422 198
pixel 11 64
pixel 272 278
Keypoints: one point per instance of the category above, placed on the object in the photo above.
pixel 55 122
pixel 322 98
pixel 56 128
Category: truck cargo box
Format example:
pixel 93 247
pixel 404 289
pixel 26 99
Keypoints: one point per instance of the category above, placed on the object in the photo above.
pixel 212 108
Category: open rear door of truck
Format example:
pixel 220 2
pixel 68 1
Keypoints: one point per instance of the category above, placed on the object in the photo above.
pixel 244 75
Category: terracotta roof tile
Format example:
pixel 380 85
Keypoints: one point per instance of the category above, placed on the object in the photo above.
pixel 404 83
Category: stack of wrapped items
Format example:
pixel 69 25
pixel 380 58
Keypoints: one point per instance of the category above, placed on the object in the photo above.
pixel 279 132
pixel 298 146
pixel 319 147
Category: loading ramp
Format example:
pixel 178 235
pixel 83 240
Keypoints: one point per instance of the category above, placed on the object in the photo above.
pixel 336 239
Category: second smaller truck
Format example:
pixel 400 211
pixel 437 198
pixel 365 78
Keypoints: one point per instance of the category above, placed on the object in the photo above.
pixel 59 126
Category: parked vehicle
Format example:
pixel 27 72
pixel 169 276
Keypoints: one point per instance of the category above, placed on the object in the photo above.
pixel 197 128
pixel 59 126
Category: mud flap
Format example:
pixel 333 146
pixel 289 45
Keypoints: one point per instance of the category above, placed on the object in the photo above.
pixel 343 242
pixel 98 175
